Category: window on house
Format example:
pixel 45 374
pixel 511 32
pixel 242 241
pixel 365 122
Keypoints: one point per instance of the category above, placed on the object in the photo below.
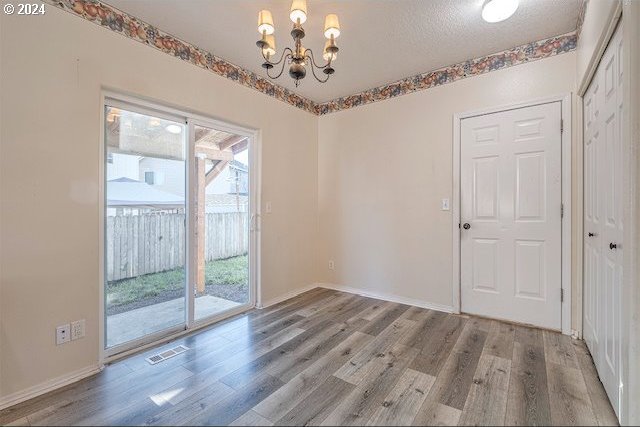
pixel 149 178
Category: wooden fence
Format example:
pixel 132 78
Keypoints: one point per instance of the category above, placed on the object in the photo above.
pixel 151 243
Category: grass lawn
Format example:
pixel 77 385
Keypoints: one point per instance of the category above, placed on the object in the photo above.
pixel 231 271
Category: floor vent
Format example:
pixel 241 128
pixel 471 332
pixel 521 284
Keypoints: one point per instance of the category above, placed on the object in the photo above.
pixel 167 354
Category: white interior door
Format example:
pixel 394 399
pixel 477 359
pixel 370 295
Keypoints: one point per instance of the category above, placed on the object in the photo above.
pixel 603 104
pixel 511 201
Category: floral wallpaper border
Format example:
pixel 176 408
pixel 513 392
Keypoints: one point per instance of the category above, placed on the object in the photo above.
pixel 582 10
pixel 129 26
pixel 474 67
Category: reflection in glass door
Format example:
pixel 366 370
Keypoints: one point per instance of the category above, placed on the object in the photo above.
pixel 145 232
pixel 221 221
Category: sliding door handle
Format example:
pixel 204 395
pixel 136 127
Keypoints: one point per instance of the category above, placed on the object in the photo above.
pixel 254 222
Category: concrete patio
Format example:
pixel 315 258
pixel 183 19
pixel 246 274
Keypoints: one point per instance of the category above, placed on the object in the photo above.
pixel 142 321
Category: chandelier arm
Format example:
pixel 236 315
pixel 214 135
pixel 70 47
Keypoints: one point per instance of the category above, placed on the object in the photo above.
pixel 309 54
pixel 313 71
pixel 314 66
pixel 286 52
pixel 282 69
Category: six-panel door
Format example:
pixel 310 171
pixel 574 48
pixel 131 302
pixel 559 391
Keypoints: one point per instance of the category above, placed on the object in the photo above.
pixel 603 249
pixel 511 198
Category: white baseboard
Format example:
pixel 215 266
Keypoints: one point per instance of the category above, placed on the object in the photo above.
pixel 47 386
pixel 288 295
pixel 388 297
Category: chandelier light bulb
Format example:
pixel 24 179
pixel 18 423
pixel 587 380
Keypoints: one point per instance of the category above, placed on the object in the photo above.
pixel 270 48
pixel 331 26
pixel 498 10
pixel 328 55
pixel 298 11
pixel 265 22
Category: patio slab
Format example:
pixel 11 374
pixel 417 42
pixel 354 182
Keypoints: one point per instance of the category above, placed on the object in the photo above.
pixel 134 324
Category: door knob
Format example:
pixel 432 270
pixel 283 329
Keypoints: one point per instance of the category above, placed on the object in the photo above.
pixel 466 226
pixel 612 246
pixel 592 234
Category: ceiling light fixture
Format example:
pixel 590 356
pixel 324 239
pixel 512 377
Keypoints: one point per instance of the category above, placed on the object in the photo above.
pixel 174 129
pixel 498 10
pixel 299 57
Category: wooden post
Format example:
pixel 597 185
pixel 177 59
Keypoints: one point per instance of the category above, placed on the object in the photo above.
pixel 201 185
pixel 223 156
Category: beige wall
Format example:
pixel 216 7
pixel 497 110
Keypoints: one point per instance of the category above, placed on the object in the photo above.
pixel 384 168
pixel 53 68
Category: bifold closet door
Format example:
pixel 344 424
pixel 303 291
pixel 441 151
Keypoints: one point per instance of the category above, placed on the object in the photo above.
pixel 603 227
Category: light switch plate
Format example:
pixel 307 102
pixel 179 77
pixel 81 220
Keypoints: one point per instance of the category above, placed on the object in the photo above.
pixel 445 204
pixel 63 334
pixel 267 207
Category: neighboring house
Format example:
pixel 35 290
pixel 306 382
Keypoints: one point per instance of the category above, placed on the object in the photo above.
pixel 132 197
pixel 123 166
pixel 163 174
pixel 233 179
pixel 227 193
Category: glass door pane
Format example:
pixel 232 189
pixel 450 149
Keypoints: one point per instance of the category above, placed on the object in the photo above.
pixel 145 231
pixel 221 219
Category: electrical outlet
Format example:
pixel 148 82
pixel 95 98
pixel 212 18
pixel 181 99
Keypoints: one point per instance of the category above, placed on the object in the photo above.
pixel 332 265
pixel 62 334
pixel 445 204
pixel 77 329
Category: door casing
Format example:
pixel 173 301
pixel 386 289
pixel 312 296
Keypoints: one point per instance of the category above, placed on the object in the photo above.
pixel 566 102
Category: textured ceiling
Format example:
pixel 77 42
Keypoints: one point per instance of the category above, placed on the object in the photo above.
pixel 381 41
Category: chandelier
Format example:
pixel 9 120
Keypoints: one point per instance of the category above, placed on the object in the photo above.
pixel 298 58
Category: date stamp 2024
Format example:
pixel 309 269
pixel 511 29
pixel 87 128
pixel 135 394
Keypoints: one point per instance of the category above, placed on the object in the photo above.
pixel 26 9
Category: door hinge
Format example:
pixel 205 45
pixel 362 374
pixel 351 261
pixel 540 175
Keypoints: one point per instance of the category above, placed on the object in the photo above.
pixel 561 125
pixel 561 210
pixel 561 294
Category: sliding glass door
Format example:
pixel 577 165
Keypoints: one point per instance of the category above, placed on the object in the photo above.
pixel 177 236
pixel 145 233
pixel 221 220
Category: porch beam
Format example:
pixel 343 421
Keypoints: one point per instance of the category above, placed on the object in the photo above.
pixel 215 171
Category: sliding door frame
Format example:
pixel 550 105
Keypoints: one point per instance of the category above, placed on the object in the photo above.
pixel 192 122
pixel 190 119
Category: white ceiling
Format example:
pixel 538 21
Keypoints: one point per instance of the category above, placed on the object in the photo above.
pixel 381 41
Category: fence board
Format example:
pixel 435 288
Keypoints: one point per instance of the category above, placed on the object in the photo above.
pixel 151 243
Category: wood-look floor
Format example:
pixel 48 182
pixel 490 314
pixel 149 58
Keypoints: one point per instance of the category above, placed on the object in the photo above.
pixel 331 358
